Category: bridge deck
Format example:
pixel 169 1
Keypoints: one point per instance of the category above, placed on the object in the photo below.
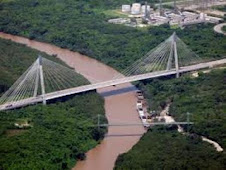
pixel 89 87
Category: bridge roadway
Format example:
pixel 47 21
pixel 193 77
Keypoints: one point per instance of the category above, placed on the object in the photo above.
pixel 80 89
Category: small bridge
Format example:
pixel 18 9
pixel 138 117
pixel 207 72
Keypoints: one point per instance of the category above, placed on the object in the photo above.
pixel 46 80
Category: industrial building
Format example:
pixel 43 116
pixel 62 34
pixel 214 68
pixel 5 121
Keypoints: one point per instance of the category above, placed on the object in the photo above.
pixel 136 9
pixel 141 15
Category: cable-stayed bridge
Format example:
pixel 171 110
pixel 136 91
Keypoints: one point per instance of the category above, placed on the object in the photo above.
pixel 46 80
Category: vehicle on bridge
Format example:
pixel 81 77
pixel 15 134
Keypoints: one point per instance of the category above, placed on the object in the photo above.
pixel 9 106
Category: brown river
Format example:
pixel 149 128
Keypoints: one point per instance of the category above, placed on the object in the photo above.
pixel 120 105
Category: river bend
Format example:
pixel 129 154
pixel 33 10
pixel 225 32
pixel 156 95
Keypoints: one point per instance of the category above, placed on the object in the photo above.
pixel 118 107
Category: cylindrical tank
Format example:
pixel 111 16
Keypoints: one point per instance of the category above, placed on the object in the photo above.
pixel 143 8
pixel 135 8
pixel 126 8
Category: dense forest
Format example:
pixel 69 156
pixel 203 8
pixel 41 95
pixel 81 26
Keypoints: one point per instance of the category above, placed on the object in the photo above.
pixel 14 60
pixel 204 97
pixel 58 133
pixel 82 26
pixel 222 8
pixel 224 28
pixel 163 147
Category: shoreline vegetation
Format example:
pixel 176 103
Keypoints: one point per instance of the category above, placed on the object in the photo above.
pixel 204 97
pixel 82 26
pixel 224 29
pixel 55 135
pixel 165 148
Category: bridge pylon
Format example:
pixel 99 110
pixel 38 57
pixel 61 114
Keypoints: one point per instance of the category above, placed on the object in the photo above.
pixel 44 76
pixel 175 55
pixel 42 79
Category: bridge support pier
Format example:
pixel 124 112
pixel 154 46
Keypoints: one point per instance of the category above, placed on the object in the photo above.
pixel 42 80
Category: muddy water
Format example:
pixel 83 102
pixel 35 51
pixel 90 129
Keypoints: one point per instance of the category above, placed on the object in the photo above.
pixel 119 107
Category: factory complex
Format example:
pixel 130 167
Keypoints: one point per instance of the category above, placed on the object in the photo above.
pixel 142 15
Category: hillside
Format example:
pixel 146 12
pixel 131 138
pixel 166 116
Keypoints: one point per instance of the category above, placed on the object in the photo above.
pixel 15 59
pixel 58 134
pixel 162 148
pixel 205 98
pixel 82 26
pixel 57 139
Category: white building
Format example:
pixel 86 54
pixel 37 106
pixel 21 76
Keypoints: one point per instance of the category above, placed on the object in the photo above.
pixel 126 8
pixel 136 8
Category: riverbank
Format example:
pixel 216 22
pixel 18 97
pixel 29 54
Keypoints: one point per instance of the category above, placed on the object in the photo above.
pixel 203 97
pixel 54 136
pixel 163 147
pixel 117 107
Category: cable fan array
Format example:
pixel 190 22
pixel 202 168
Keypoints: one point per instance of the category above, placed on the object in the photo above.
pixel 58 77
pixel 45 76
pixel 186 56
pixel 162 58
pixel 55 77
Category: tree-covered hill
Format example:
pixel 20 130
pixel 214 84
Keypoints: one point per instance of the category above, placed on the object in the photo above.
pixel 82 26
pixel 14 60
pixel 164 148
pixel 204 97
pixel 58 134
pixel 224 28
pixel 221 8
pixel 61 133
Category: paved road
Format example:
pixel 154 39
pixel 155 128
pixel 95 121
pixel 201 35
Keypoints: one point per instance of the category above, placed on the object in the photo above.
pixel 218 28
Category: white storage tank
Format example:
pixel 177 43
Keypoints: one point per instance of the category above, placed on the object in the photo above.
pixel 126 8
pixel 143 8
pixel 136 7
